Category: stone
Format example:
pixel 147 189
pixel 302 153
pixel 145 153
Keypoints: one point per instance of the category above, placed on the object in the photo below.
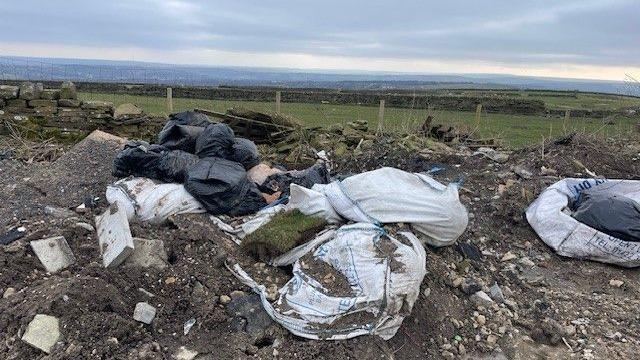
pixel 492 340
pixel 16 103
pixel 499 157
pixel 68 91
pixel 237 294
pixel 272 292
pixel 114 235
pixel 523 173
pixel 470 286
pixel 481 298
pixel 496 293
pixel 225 299
pixel 144 313
pixel 58 212
pixel 71 103
pixel 481 320
pixel 184 354
pixel 8 292
pixel 526 262
pixel 54 253
pixel 43 103
pixel 96 105
pixel 616 283
pixel 50 94
pixel 250 309
pixel 28 91
pixel 85 226
pixel 147 253
pixel 42 332
pixel 508 256
pixel 8 92
pixel 127 111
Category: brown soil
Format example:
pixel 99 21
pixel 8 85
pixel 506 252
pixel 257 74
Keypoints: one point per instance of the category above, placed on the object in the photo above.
pixel 95 305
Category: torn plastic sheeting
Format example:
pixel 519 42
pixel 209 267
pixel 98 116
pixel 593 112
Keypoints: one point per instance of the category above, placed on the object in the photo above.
pixel 549 215
pixel 176 136
pixel 613 214
pixel 150 201
pixel 383 293
pixel 251 223
pixel 389 195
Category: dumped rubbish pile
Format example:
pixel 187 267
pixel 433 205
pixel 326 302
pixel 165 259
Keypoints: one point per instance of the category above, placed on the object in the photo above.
pixel 440 263
pixel 215 168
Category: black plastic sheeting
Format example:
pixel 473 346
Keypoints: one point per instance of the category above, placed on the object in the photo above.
pixel 182 130
pixel 222 187
pixel 139 158
pixel 215 141
pixel 615 215
pixel 316 174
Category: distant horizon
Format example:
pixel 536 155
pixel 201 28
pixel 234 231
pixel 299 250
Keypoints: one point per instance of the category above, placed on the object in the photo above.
pixel 306 70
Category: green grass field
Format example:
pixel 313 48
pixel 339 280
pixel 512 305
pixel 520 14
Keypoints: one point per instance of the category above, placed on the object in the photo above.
pixel 515 130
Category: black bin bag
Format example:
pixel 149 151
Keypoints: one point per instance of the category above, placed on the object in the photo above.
pixel 245 152
pixel 223 188
pixel 182 130
pixel 613 214
pixel 138 158
pixel 215 141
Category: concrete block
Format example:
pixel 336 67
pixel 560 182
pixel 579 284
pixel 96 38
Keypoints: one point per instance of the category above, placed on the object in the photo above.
pixel 54 253
pixel 114 235
pixel 29 91
pixel 144 313
pixel 42 332
pixel 97 105
pixel 147 253
pixel 68 91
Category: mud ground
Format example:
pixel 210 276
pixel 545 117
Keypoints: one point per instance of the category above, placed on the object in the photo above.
pixel 554 308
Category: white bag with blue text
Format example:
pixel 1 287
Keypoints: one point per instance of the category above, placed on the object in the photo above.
pixel 550 215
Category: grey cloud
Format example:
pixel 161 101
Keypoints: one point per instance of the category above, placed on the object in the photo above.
pixel 595 32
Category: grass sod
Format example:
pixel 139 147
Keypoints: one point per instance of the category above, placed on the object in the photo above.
pixel 285 231
pixel 516 131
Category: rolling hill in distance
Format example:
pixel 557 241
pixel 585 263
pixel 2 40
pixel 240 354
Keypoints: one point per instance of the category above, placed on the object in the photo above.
pixel 30 68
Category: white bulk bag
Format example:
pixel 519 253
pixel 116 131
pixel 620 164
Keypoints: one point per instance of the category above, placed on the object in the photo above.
pixel 383 292
pixel 550 217
pixel 389 195
pixel 151 201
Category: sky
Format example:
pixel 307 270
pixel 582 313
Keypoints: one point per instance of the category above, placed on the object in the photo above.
pixel 594 39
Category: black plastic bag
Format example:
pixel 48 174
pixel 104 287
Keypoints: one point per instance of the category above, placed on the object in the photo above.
pixel 316 174
pixel 615 215
pixel 182 130
pixel 223 188
pixel 215 141
pixel 245 152
pixel 138 158
pixel 174 165
pixel 153 161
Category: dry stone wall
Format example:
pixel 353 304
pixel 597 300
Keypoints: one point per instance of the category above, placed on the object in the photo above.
pixel 61 109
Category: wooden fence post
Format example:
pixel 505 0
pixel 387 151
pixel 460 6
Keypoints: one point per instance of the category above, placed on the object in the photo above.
pixel 478 113
pixel 169 100
pixel 278 97
pixel 567 116
pixel 381 116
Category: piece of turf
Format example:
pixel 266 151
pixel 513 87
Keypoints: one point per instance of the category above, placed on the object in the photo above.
pixel 284 232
